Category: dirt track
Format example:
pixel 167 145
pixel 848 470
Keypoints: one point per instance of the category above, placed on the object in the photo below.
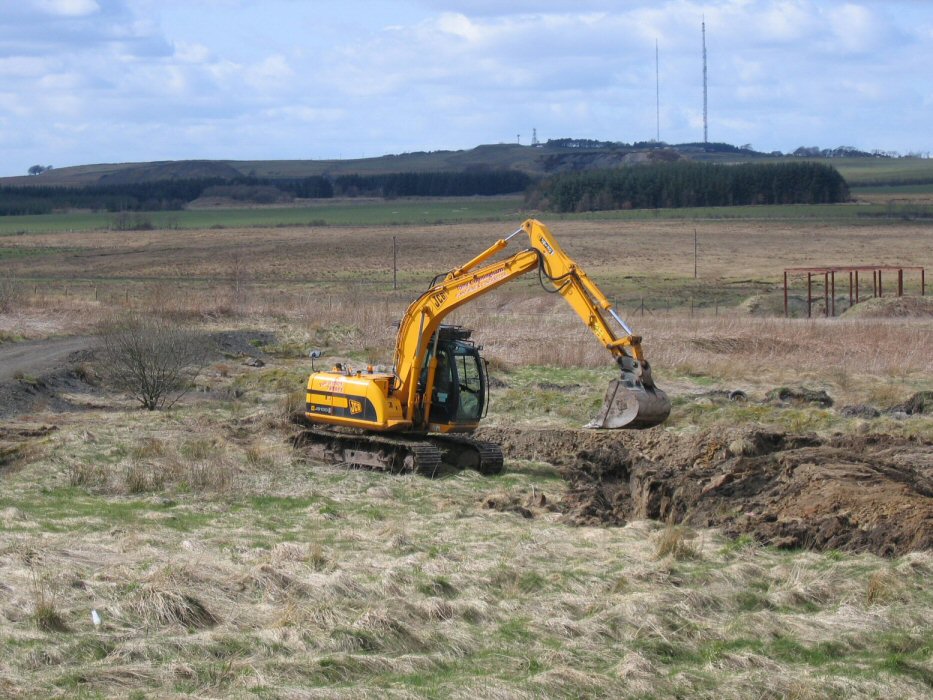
pixel 39 356
pixel 870 492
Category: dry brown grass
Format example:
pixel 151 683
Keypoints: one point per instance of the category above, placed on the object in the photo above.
pixel 223 565
pixel 292 271
pixel 310 577
pixel 45 614
pixel 326 254
pixel 675 541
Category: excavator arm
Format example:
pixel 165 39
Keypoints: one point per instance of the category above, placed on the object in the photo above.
pixel 631 401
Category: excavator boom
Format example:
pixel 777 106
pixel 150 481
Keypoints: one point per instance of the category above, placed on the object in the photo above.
pixel 632 401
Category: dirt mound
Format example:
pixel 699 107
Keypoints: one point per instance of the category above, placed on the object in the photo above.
pixel 800 395
pixel 921 402
pixel 871 493
pixel 70 389
pixel 238 343
pixel 892 307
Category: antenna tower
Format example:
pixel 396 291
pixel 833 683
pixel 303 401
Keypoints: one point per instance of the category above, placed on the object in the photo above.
pixel 534 137
pixel 705 123
pixel 657 92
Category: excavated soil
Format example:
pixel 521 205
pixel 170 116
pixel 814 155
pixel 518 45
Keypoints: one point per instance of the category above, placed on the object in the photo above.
pixel 863 493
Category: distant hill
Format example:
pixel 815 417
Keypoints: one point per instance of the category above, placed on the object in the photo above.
pixel 554 157
pixel 533 160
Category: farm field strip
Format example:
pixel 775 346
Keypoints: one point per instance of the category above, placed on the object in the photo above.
pixel 422 212
pixel 323 213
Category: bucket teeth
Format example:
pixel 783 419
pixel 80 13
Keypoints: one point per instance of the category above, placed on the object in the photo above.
pixel 629 404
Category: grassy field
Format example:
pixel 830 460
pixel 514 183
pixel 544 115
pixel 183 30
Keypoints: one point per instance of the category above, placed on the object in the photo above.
pixel 634 261
pixel 222 565
pixel 323 213
pixel 857 171
pixel 221 562
pixel 879 206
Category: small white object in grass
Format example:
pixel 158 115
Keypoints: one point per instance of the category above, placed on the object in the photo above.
pixel 95 618
pixel 187 544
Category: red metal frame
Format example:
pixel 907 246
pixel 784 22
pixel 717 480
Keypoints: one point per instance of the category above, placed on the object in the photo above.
pixel 829 282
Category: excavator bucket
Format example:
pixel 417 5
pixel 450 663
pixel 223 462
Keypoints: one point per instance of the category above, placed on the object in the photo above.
pixel 630 404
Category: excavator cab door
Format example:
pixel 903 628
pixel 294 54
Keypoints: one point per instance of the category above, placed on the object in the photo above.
pixel 460 387
pixel 470 373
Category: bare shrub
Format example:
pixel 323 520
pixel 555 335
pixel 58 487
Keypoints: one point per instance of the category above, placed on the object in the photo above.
pixel 130 221
pixel 152 359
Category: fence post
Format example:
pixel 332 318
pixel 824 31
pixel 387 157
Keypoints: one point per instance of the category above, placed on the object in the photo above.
pixel 809 295
pixel 785 297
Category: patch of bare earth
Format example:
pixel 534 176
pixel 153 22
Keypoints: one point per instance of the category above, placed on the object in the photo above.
pixel 862 493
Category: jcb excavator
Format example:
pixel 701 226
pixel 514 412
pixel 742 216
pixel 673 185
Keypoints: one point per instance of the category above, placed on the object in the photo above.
pixel 421 413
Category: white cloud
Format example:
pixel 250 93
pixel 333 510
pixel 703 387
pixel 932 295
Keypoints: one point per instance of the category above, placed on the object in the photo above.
pixel 856 29
pixel 25 66
pixel 68 8
pixel 172 78
pixel 273 72
pixel 192 53
pixel 459 26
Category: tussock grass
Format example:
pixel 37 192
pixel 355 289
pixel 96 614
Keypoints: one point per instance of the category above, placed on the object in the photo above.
pixel 675 541
pixel 45 614
pixel 164 606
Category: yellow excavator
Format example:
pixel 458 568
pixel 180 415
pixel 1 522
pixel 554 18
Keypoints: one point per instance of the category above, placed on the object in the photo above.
pixel 420 414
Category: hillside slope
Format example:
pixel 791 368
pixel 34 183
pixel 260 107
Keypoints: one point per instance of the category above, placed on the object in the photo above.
pixel 543 159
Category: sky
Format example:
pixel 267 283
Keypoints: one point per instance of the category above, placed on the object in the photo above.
pixel 105 81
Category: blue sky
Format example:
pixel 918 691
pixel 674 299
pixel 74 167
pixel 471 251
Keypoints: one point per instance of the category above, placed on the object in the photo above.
pixel 93 81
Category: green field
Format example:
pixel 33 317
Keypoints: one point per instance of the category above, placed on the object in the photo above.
pixel 881 170
pixel 783 212
pixel 441 211
pixel 873 177
pixel 892 190
pixel 363 213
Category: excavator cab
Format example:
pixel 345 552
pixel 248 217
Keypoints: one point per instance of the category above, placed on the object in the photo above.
pixel 459 394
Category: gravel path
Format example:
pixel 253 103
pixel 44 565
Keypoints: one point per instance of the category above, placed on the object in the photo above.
pixel 39 356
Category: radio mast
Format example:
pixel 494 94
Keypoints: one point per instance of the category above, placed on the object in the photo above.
pixel 657 92
pixel 705 123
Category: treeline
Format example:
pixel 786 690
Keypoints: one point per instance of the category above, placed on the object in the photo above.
pixel 703 146
pixel 142 196
pixel 159 195
pixel 432 184
pixel 690 185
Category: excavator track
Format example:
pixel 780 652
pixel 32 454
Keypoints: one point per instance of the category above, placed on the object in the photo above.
pixel 377 452
pixel 464 452
pixel 397 455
